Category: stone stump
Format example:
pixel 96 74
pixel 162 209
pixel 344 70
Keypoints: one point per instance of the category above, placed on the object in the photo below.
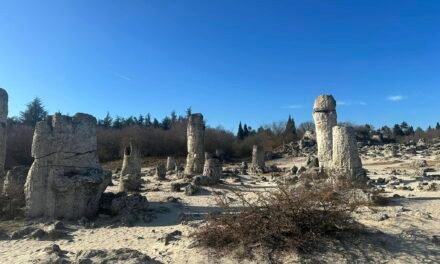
pixel 212 173
pixel 130 177
pixel 14 185
pixel 324 115
pixel 161 172
pixel 346 162
pixel 66 179
pixel 196 145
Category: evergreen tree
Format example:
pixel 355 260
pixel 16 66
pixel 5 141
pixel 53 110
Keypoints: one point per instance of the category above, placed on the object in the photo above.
pixel 118 123
pixel 147 121
pixel 34 112
pixel 107 121
pixel 437 127
pixel 245 131
pixel 173 117
pixel 156 123
pixel 397 131
pixel 240 133
pixel 419 130
pixel 166 123
pixel 290 126
pixel 410 131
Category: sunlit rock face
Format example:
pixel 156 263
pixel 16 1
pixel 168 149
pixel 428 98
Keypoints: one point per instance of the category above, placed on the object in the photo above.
pixel 196 145
pixel 66 179
pixel 325 117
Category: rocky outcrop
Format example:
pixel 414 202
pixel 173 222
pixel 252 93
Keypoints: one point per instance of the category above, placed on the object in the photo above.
pixel 346 162
pixel 161 172
pixel 66 179
pixel 258 159
pixel 131 170
pixel 324 115
pixel 196 145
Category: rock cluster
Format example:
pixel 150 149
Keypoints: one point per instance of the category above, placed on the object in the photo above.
pixel 66 179
pixel 130 179
pixel 196 145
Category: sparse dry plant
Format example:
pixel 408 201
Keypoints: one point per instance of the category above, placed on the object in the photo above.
pixel 300 219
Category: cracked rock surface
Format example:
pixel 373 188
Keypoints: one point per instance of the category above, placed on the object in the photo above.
pixel 66 179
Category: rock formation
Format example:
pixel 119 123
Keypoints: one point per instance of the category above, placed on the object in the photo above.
pixel 14 185
pixel 3 129
pixel 258 158
pixel 171 164
pixel 131 170
pixel 66 179
pixel 324 114
pixel 196 145
pixel 346 162
pixel 161 172
pixel 212 172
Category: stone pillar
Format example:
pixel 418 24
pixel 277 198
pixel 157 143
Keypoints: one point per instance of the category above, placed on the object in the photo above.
pixel 171 164
pixel 14 185
pixel 161 172
pixel 3 128
pixel 324 115
pixel 258 157
pixel 130 179
pixel 212 172
pixel 196 145
pixel 346 162
pixel 66 179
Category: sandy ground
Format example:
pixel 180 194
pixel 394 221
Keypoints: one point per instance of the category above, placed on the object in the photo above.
pixel 402 232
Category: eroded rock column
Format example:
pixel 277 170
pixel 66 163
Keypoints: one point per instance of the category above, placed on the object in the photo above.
pixel 212 172
pixel 171 164
pixel 196 145
pixel 258 158
pixel 3 129
pixel 66 179
pixel 324 115
pixel 131 170
pixel 346 162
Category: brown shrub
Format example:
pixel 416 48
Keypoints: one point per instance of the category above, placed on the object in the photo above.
pixel 297 219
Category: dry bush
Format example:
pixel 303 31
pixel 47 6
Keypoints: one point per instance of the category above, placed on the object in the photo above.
pixel 299 219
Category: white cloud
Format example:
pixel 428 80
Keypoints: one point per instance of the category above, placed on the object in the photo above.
pixel 124 77
pixel 350 103
pixel 294 106
pixel 395 98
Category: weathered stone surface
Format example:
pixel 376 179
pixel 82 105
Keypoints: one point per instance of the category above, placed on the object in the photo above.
pixel 14 185
pixel 161 172
pixel 171 164
pixel 3 128
pixel 325 117
pixel 130 179
pixel 196 145
pixel 66 179
pixel 346 162
pixel 258 158
pixel 212 173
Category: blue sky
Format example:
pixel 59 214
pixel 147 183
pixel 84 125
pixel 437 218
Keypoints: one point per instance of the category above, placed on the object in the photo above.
pixel 251 61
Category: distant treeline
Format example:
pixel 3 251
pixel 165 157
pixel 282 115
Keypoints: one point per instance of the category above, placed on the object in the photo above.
pixel 168 137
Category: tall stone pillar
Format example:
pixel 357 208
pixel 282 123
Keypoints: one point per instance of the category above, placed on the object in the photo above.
pixel 258 158
pixel 3 128
pixel 196 145
pixel 346 161
pixel 324 115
